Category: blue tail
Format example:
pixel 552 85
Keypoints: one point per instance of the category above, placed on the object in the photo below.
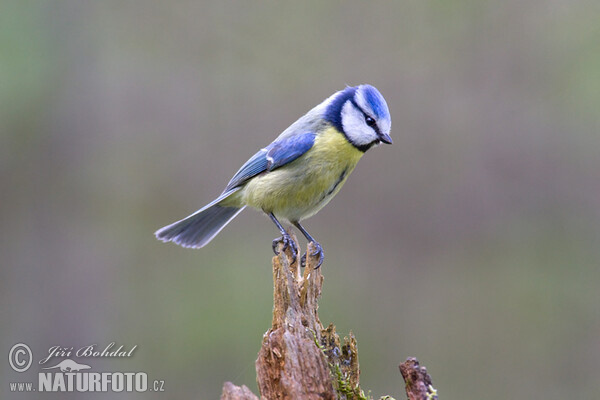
pixel 201 227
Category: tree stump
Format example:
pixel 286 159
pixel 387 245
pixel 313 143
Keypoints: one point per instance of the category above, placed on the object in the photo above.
pixel 299 358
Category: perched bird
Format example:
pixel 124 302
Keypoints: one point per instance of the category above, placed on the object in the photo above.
pixel 298 173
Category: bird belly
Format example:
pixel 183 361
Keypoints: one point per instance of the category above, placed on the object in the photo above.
pixel 304 186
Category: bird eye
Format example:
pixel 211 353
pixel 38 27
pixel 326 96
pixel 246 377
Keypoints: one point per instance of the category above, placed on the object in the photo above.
pixel 370 121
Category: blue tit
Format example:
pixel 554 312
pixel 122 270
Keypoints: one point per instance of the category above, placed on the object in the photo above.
pixel 298 173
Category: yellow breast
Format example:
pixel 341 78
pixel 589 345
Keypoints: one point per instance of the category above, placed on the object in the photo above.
pixel 302 187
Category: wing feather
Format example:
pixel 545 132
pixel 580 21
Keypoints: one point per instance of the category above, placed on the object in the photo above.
pixel 287 149
pixel 254 166
pixel 279 153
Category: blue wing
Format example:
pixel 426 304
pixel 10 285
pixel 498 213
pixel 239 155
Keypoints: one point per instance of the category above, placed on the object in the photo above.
pixel 254 166
pixel 286 150
pixel 279 153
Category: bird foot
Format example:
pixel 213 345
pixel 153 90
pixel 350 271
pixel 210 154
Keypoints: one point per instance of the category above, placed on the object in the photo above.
pixel 317 252
pixel 288 242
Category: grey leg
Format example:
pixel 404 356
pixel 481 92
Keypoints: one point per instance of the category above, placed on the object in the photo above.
pixel 319 250
pixel 285 238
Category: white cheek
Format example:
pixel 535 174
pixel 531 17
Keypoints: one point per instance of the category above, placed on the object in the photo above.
pixel 353 122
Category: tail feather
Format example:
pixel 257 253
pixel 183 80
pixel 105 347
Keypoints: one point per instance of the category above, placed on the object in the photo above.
pixel 199 228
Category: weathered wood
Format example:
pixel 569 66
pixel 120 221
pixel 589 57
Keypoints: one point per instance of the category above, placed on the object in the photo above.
pixel 299 359
pixel 290 364
pixel 232 392
pixel 418 381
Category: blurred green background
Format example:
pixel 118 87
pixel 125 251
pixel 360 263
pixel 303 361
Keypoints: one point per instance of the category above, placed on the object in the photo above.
pixel 472 243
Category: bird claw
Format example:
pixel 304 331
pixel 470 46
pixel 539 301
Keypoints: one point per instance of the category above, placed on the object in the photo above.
pixel 287 242
pixel 317 252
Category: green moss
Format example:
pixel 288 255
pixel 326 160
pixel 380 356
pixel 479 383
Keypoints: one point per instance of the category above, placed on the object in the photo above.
pixel 344 388
pixel 431 393
pixel 343 364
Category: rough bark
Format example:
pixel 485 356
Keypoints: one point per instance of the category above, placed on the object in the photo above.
pixel 293 361
pixel 232 392
pixel 299 358
pixel 418 381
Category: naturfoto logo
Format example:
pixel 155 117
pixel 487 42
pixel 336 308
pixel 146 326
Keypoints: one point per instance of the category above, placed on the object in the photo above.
pixel 67 375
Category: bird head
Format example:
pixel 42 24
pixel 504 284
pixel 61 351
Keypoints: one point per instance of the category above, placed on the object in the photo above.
pixel 361 114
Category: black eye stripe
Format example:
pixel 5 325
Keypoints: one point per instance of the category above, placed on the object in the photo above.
pixel 368 118
pixel 364 147
pixel 373 124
